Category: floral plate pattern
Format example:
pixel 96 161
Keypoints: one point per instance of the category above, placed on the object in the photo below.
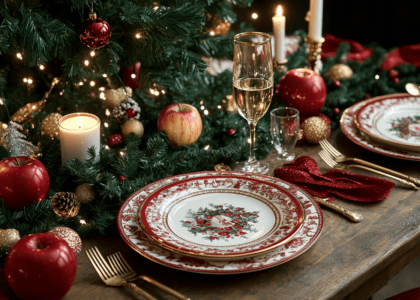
pixel 348 127
pixel 134 236
pixel 391 120
pixel 221 217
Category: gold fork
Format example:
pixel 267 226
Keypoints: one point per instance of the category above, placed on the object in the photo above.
pixel 123 269
pixel 333 164
pixel 109 276
pixel 339 157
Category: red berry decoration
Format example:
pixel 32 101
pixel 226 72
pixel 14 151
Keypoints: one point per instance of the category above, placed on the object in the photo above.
pixel 337 83
pixel 395 80
pixel 95 32
pixel 392 74
pixel 336 111
pixel 231 131
pixel 121 177
pixel 115 140
pixel 130 113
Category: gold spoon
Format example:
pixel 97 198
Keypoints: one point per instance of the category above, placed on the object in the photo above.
pixel 413 89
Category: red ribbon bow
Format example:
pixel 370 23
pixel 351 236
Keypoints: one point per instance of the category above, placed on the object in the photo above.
pixel 304 172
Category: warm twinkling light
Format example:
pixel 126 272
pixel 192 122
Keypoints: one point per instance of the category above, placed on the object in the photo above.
pixel 92 83
pixel 163 92
pixel 41 67
pixel 1 101
pixel 254 16
pixel 212 33
pixel 249 141
pixel 19 55
pixel 133 76
pixel 156 7
pixel 121 153
pixel 104 75
pixel 92 53
pixel 152 91
pixel 102 95
pixel 107 112
pixel 206 112
pixel 102 88
pixel 33 106
pixel 83 222
pixel 219 106
pixel 25 79
pixel 376 76
pixel 4 126
pixel 86 62
pixel 81 83
pixel 30 81
pixel 106 125
pixel 207 147
pixel 202 107
pixel 106 147
pixel 157 93
pixel 138 35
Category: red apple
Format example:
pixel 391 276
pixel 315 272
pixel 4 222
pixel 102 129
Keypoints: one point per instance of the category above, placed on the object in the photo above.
pixel 40 266
pixel 181 122
pixel 24 180
pixel 302 89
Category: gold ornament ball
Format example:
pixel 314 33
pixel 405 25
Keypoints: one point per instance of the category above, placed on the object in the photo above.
pixel 8 237
pixel 113 97
pixel 70 236
pixel 50 125
pixel 339 72
pixel 132 125
pixel 85 192
pixel 314 129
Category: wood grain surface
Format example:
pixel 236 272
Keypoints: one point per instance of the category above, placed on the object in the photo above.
pixel 349 261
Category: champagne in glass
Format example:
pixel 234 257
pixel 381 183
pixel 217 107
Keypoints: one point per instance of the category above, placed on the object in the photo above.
pixel 252 86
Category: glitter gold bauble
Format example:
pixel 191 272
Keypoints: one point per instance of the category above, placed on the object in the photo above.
pixel 222 168
pixel 216 26
pixel 70 236
pixel 85 192
pixel 24 114
pixel 315 129
pixel 113 97
pixel 50 125
pixel 339 72
pixel 8 237
pixel 132 125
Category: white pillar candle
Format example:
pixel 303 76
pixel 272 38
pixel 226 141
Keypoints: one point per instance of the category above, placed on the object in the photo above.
pixel 315 22
pixel 78 133
pixel 279 31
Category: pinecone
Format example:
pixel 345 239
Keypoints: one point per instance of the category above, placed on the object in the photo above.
pixel 65 204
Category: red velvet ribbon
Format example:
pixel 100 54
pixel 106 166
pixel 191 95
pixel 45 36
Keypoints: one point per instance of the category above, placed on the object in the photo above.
pixel 409 54
pixel 304 172
pixel 357 51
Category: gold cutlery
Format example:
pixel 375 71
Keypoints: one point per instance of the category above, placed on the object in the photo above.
pixel 339 157
pixel 352 215
pixel 333 164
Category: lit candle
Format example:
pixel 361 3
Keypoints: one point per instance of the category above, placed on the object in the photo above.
pixel 315 22
pixel 279 25
pixel 78 133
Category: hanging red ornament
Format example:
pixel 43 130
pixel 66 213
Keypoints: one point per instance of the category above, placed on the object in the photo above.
pixel 121 177
pixel 395 80
pixel 130 113
pixel 130 76
pixel 392 74
pixel 115 140
pixel 337 83
pixel 231 131
pixel 95 32
pixel 336 111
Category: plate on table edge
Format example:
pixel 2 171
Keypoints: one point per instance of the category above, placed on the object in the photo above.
pixel 370 123
pixel 133 235
pixel 349 129
pixel 156 226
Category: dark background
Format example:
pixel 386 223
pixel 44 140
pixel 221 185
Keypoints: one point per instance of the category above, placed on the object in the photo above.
pixel 370 22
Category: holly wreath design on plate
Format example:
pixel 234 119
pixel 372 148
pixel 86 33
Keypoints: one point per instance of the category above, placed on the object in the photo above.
pixel 220 222
pixel 407 127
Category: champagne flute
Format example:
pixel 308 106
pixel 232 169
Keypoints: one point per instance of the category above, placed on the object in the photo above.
pixel 252 87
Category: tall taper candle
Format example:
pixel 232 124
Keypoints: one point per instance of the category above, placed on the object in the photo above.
pixel 315 22
pixel 279 31
pixel 78 133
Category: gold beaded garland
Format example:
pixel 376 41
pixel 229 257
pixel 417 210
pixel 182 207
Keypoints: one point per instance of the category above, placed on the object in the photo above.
pixel 132 125
pixel 50 125
pixel 339 72
pixel 85 192
pixel 113 97
pixel 70 236
pixel 8 237
pixel 314 129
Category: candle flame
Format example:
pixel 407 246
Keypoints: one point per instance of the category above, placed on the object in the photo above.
pixel 279 11
pixel 79 122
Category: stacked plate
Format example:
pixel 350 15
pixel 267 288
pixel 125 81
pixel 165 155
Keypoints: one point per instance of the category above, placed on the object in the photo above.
pixel 220 223
pixel 388 125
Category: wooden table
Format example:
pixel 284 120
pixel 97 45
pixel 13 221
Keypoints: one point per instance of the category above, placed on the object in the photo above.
pixel 349 261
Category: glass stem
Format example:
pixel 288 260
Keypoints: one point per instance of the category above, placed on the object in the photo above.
pixel 252 127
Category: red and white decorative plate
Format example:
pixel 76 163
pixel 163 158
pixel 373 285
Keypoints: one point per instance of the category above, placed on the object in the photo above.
pixel 348 127
pixel 132 233
pixel 391 120
pixel 221 217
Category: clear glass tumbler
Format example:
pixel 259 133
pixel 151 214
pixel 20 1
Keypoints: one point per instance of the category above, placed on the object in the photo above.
pixel 284 131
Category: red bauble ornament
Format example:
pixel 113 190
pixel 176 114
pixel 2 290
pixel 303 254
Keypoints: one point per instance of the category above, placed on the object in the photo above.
pixel 95 32
pixel 231 131
pixel 336 111
pixel 115 140
pixel 392 74
pixel 121 177
pixel 127 78
pixel 395 80
pixel 130 113
pixel 40 266
pixel 23 181
pixel 302 89
pixel 337 83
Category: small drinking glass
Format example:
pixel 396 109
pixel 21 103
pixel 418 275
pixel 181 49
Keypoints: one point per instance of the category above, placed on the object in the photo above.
pixel 284 131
